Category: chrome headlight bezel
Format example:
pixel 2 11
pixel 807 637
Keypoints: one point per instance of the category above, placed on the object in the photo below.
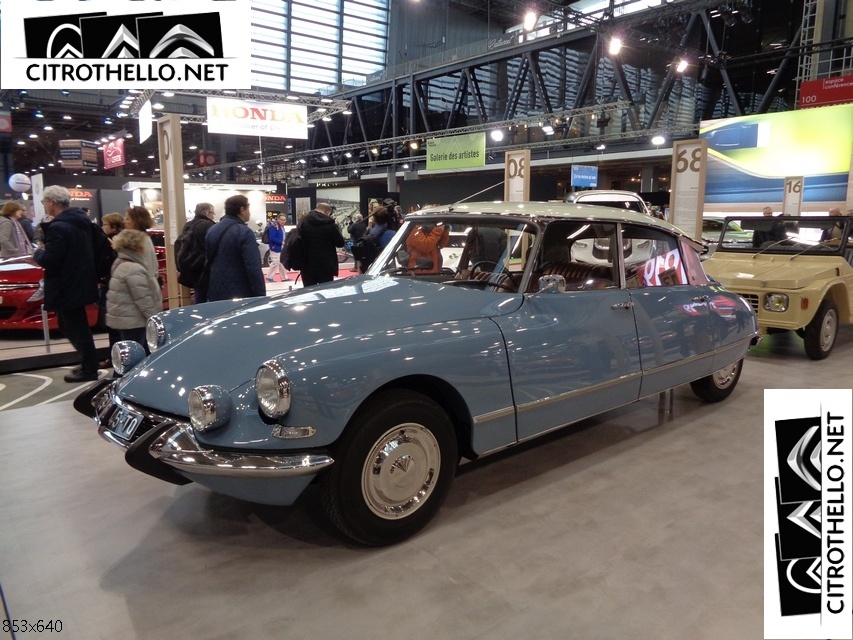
pixel 273 389
pixel 126 354
pixel 155 333
pixel 209 407
pixel 776 302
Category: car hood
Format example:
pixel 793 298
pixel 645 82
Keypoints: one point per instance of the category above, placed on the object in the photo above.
pixel 778 272
pixel 23 270
pixel 227 350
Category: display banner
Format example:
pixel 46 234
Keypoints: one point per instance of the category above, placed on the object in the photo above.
pixel 826 91
pixel 113 44
pixel 517 175
pixel 146 121
pixel 807 518
pixel 172 184
pixel 689 161
pixel 114 154
pixel 456 152
pixel 584 176
pixel 792 201
pixel 253 118
pixel 78 154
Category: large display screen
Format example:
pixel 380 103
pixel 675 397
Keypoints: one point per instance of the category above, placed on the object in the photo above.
pixel 750 157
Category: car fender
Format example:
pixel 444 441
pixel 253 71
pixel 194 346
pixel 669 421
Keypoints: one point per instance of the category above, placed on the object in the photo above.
pixel 330 381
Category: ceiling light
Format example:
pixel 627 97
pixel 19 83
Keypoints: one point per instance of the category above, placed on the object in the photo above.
pixel 326 119
pixel 39 114
pixel 348 154
pixel 257 152
pixel 414 145
pixel 615 46
pixel 530 19
pixel 601 147
pixel 21 142
pixel 346 112
pixel 47 127
pixel 324 158
pixel 158 106
pixel 66 117
pixel 326 100
pixel 34 135
pixel 193 147
pixel 168 94
pixel 548 130
pixel 682 65
pixel 658 140
pixel 374 151
pixel 124 105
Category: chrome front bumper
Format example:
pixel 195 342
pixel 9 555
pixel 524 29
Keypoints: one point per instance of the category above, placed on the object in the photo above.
pixel 178 448
pixel 124 423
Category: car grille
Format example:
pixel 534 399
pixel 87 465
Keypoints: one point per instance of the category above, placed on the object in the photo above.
pixel 752 299
pixel 107 405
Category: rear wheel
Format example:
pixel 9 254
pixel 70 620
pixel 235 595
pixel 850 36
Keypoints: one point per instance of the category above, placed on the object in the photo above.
pixel 393 468
pixel 719 385
pixel 820 333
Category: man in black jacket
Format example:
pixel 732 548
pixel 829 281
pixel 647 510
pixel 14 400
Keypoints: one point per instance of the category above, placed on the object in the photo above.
pixel 190 257
pixel 320 235
pixel 70 281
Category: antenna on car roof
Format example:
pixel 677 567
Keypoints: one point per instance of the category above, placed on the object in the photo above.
pixel 479 192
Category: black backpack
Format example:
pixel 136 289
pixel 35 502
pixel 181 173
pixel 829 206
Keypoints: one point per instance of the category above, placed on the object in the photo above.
pixel 293 250
pixel 189 256
pixel 265 236
pixel 103 252
pixel 365 249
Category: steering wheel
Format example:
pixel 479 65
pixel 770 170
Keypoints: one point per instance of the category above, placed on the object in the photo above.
pixel 504 271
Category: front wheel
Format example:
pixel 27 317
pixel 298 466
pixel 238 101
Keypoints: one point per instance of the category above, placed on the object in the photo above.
pixel 819 335
pixel 393 468
pixel 719 385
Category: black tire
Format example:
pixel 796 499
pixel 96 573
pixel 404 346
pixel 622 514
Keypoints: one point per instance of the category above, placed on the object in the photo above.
pixel 266 262
pixel 819 336
pixel 400 432
pixel 719 385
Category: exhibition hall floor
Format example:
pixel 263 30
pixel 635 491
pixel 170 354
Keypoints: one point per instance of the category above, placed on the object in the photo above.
pixel 623 526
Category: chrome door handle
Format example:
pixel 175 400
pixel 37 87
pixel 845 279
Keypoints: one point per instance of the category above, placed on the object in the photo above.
pixel 702 298
pixel 623 305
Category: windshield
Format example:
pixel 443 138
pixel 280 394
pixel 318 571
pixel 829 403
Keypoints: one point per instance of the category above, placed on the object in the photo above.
pixel 786 235
pixel 493 252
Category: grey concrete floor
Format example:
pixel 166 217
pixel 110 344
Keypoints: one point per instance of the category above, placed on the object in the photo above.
pixel 623 526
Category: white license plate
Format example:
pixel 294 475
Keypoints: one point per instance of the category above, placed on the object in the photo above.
pixel 124 423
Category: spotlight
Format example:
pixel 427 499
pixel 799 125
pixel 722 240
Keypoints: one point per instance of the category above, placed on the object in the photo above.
pixel 615 46
pixel 530 20
pixel 414 145
pixel 658 140
pixel 497 135
pixel 601 147
pixel 681 66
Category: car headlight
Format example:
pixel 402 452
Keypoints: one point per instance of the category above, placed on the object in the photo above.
pixel 776 302
pixel 272 386
pixel 155 333
pixel 126 354
pixel 210 407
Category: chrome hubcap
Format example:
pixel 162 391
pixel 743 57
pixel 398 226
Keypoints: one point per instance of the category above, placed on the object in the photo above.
pixel 827 330
pixel 725 376
pixel 400 473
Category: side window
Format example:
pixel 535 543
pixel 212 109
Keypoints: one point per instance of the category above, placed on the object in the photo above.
pixel 584 253
pixel 654 260
pixel 692 264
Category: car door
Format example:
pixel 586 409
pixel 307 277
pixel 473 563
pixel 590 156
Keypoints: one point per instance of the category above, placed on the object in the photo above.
pixel 674 329
pixel 571 353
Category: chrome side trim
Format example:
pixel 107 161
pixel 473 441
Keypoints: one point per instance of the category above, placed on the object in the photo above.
pixel 178 448
pixel 577 392
pixel 494 415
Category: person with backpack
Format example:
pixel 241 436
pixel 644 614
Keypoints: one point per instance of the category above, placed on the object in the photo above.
pixel 371 243
pixel 134 294
pixel 189 249
pixel 70 281
pixel 275 240
pixel 320 236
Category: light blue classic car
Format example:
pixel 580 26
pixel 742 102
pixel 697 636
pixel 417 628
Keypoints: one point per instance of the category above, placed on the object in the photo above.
pixel 374 386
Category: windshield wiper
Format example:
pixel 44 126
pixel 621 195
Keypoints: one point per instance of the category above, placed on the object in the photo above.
pixel 770 246
pixel 819 244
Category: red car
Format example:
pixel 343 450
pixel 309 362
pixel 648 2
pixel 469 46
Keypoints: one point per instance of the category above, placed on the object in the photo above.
pixel 21 298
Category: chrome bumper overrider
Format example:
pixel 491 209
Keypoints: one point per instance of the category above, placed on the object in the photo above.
pixel 178 448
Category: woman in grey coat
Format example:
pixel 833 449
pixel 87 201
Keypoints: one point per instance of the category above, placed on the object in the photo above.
pixel 134 293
